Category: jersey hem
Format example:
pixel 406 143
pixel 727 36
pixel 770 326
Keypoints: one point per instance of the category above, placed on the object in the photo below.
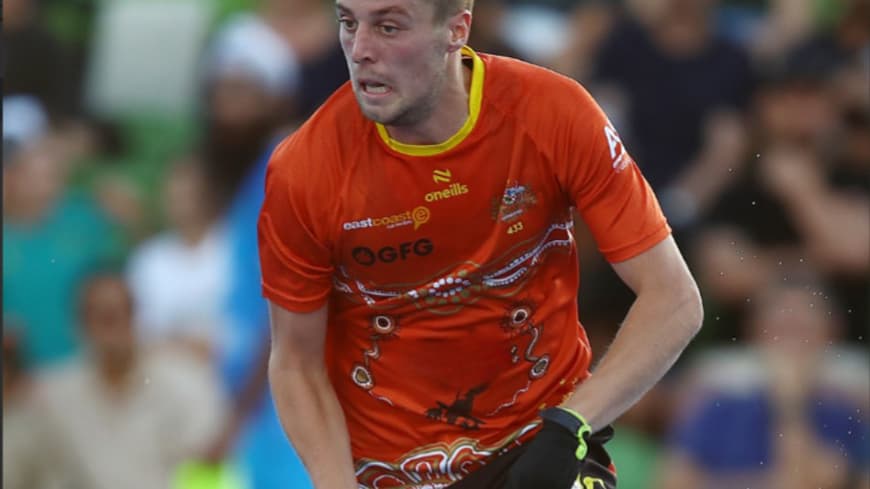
pixel 292 305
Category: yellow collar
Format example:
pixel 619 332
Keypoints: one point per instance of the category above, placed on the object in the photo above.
pixel 474 100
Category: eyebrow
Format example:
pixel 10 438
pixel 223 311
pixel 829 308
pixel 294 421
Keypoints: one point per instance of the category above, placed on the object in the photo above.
pixel 393 9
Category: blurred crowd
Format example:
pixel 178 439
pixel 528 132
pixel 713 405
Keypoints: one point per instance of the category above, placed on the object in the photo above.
pixel 135 139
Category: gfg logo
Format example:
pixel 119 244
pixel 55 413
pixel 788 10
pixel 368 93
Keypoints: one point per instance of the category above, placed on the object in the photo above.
pixel 388 254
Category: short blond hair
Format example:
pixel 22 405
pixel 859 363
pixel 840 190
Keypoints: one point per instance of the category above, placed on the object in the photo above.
pixel 446 8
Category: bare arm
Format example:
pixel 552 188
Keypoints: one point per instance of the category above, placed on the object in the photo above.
pixel 719 162
pixel 665 316
pixel 833 224
pixel 305 399
pixel 823 221
pixel 243 405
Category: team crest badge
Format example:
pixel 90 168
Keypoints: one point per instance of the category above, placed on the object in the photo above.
pixel 513 203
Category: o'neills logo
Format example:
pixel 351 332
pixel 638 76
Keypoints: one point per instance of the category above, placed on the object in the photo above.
pixel 455 190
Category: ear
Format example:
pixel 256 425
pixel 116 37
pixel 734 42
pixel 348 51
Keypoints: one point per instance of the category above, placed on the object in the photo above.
pixel 460 28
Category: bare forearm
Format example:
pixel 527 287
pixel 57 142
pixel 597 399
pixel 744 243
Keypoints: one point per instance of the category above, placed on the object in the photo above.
pixel 314 422
pixel 822 221
pixel 654 333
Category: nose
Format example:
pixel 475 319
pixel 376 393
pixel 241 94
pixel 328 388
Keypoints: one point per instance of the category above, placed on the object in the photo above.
pixel 362 47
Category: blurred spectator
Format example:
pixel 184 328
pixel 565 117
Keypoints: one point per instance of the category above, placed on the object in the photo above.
pixel 786 24
pixel 264 69
pixel 806 183
pixel 843 53
pixel 21 450
pixel 636 446
pixel 537 29
pixel 723 154
pixel 95 147
pixel 179 278
pixel 731 268
pixel 251 74
pixel 26 122
pixel 247 46
pixel 51 236
pixel 832 48
pixel 35 63
pixel 321 76
pixel 672 73
pixel 487 33
pixel 851 170
pixel 119 416
pixel 820 212
pixel 253 433
pixel 787 411
pixel 794 105
pixel 310 28
pixel 590 23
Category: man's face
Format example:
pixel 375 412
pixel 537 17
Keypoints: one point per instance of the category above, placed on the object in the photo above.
pixel 35 176
pixel 793 319
pixel 396 54
pixel 186 196
pixel 107 317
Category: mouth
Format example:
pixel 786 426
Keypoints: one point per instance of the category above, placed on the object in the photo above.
pixel 373 88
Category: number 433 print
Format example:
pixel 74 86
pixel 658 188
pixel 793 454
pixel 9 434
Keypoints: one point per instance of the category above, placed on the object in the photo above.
pixel 515 228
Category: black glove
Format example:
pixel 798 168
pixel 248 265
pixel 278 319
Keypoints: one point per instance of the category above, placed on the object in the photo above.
pixel 555 455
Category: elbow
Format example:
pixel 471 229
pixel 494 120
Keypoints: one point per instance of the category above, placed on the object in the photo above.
pixel 297 365
pixel 693 306
pixel 685 305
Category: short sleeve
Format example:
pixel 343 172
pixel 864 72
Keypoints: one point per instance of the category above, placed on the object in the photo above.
pixel 605 184
pixel 295 254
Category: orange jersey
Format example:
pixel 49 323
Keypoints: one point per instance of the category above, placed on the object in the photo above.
pixel 451 271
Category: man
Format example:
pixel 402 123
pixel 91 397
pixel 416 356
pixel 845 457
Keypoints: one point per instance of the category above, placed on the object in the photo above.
pixel 119 415
pixel 787 408
pixel 417 253
pixel 45 251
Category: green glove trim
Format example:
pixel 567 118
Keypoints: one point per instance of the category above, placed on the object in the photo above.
pixel 574 422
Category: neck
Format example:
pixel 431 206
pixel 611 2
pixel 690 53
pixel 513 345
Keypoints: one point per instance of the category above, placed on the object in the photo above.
pixel 13 388
pixel 23 211
pixel 682 36
pixel 194 233
pixel 450 113
pixel 115 370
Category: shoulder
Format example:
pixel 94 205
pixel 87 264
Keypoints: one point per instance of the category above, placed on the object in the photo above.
pixel 156 246
pixel 323 135
pixel 179 374
pixel 729 370
pixel 724 48
pixel 58 384
pixel 323 147
pixel 80 206
pixel 514 80
pixel 536 95
pixel 846 369
pixel 156 250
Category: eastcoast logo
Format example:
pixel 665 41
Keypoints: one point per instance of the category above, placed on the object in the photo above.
pixel 455 190
pixel 419 216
